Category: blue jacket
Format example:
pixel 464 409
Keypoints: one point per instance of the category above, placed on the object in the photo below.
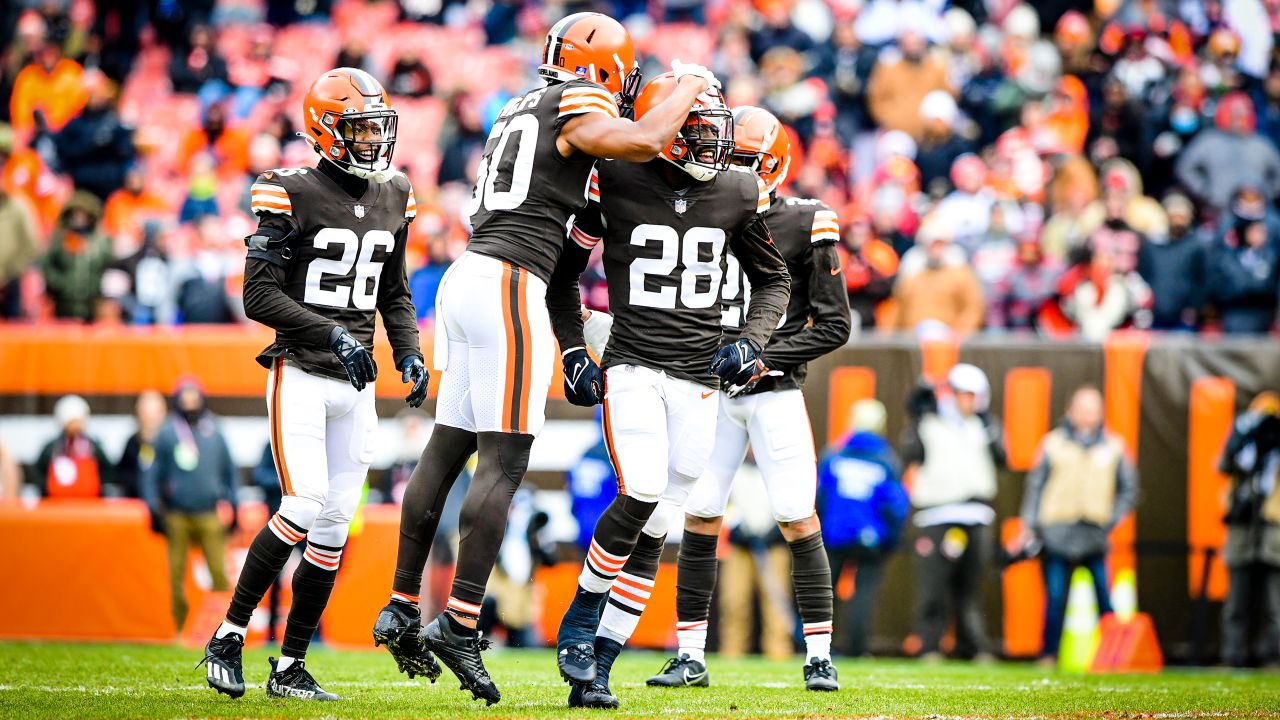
pixel 592 485
pixel 861 501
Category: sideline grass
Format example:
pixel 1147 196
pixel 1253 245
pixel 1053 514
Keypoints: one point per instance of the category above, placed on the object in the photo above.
pixel 39 680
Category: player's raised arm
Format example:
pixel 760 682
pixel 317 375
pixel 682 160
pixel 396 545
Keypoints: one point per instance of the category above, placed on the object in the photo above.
pixel 610 136
pixel 828 301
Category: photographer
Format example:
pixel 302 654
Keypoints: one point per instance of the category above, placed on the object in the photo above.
pixel 1252 553
pixel 1081 487
pixel 955 447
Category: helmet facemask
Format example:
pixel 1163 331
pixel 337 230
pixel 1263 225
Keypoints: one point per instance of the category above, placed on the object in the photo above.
pixel 704 145
pixel 369 141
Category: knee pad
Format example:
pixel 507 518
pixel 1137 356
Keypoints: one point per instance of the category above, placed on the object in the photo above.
pixel 341 506
pixel 658 523
pixel 329 532
pixel 300 511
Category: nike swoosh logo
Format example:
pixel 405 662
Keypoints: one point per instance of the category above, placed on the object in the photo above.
pixel 836 270
pixel 691 678
pixel 706 395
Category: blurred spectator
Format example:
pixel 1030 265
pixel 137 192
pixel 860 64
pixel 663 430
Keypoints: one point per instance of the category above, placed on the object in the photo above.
pixel 17 251
pixel 201 280
pixel 940 145
pixel 845 65
pixel 880 21
pixel 140 450
pixel 78 255
pixel 1251 459
pixel 229 146
pixel 1094 298
pixel 354 53
pixel 862 506
pixel 461 139
pixel 1115 236
pixel 775 30
pixel 202 187
pixel 192 471
pixel 1082 486
pixel 966 211
pixel 788 94
pixel 1266 98
pixel 10 475
pixel 47 93
pixel 1175 269
pixel 756 567
pixel 425 281
pixel 1067 118
pixel 258 73
pixel 943 290
pixel 131 206
pixel 869 266
pixel 1122 183
pixel 409 76
pixel 954 447
pixel 997 253
pixel 1242 279
pixel 1222 158
pixel 1117 125
pixel 1071 194
pixel 901 79
pixel 141 283
pixel 199 65
pixel 95 147
pixel 1184 116
pixel 71 465
pixel 1016 299
pixel 25 175
pixel 1075 42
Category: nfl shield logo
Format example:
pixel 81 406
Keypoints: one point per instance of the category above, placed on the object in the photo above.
pixel 680 206
pixel 359 210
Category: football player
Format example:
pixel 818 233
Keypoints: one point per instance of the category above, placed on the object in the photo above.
pixel 667 225
pixel 494 341
pixel 327 256
pixel 771 416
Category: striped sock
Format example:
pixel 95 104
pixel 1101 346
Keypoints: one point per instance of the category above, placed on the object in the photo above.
pixel 324 557
pixel 405 598
pixel 692 637
pixel 463 610
pixel 817 640
pixel 599 569
pixel 627 600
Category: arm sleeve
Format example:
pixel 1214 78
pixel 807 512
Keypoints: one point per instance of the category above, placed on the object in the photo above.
pixel 1126 490
pixel 395 303
pixel 828 309
pixel 265 300
pixel 1031 491
pixel 564 297
pixel 770 283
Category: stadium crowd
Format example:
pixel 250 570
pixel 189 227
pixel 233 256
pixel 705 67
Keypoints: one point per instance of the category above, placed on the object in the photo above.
pixel 1067 167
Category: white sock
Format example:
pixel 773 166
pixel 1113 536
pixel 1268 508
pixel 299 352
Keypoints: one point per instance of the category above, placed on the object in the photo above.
pixel 226 628
pixel 284 662
pixel 693 640
pixel 817 645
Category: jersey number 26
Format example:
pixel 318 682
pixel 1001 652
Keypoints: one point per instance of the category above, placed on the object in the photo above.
pixel 362 292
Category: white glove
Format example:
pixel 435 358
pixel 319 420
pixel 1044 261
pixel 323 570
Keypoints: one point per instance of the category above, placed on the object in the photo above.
pixel 682 69
pixel 596 331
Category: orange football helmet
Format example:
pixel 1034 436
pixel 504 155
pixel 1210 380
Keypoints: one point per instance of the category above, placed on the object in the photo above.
pixel 762 144
pixel 593 47
pixel 350 121
pixel 703 145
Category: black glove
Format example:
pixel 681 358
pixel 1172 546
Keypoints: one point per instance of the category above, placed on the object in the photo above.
pixel 412 370
pixel 583 379
pixel 738 366
pixel 353 356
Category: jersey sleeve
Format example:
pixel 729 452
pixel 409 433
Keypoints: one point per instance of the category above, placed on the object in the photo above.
pixel 269 197
pixel 826 227
pixel 763 199
pixel 411 206
pixel 580 98
pixel 587 228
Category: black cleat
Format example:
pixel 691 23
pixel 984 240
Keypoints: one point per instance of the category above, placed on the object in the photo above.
pixel 224 671
pixel 461 654
pixel 595 695
pixel 295 682
pixel 399 627
pixel 681 672
pixel 577 663
pixel 820 675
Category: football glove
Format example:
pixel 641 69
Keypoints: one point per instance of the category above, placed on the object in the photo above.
pixel 353 356
pixel 412 370
pixel 738 366
pixel 583 379
pixel 682 69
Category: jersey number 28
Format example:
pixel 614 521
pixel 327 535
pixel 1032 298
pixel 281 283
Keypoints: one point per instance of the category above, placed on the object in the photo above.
pixel 363 290
pixel 681 264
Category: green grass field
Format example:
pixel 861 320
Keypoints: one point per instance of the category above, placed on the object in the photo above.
pixel 119 681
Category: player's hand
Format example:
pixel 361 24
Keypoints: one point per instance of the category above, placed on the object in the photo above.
pixel 234 523
pixel 583 379
pixel 412 370
pixel 682 69
pixel 353 356
pixel 738 365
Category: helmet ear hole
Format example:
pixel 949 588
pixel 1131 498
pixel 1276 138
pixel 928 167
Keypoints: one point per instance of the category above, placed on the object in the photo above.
pixel 604 75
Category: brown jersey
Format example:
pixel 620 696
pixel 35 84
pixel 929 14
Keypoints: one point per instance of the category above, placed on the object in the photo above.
pixel 343 262
pixel 526 191
pixel 817 317
pixel 664 263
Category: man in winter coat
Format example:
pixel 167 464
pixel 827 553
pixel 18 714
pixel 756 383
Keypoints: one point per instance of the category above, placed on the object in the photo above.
pixel 1174 267
pixel 78 256
pixel 1223 157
